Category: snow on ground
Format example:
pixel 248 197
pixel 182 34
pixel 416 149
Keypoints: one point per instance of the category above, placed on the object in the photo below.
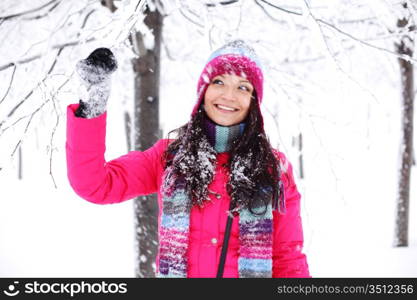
pixel 48 232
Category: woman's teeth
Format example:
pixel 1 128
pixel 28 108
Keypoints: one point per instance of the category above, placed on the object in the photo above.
pixel 226 108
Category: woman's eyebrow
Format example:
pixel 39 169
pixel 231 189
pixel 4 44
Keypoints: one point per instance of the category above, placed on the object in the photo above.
pixel 245 81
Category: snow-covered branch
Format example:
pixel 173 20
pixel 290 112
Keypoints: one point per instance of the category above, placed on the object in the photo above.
pixel 10 84
pixel 321 22
pixel 40 55
pixel 20 14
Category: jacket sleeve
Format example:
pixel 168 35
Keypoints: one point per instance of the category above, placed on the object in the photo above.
pixel 288 259
pixel 101 182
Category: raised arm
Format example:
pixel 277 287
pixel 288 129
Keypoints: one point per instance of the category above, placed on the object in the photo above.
pixel 98 181
pixel 91 177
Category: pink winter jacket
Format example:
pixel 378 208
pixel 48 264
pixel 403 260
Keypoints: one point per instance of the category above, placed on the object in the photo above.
pixel 139 173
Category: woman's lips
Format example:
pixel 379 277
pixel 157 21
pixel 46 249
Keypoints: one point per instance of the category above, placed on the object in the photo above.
pixel 222 109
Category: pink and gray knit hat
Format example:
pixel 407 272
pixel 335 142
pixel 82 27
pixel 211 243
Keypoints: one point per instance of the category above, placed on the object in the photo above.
pixel 235 58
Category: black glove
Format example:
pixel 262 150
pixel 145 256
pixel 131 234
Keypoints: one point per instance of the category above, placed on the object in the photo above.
pixel 94 74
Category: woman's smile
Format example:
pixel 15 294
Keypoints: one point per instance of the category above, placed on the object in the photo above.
pixel 225 109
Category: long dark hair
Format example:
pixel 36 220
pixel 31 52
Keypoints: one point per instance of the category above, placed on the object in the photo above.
pixel 254 169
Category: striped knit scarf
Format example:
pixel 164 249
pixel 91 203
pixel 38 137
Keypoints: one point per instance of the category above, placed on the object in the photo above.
pixel 255 232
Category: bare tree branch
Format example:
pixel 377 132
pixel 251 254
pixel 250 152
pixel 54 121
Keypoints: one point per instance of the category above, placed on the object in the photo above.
pixel 37 56
pixel 209 4
pixel 337 62
pixel 282 9
pixel 265 11
pixel 405 57
pixel 10 85
pixel 44 14
pixel 52 98
pixel 4 18
pixel 137 12
pixel 24 117
pixel 63 23
pixel 320 21
pixel 51 142
pixel 14 109
pixel 21 139
pixel 87 16
pixel 189 19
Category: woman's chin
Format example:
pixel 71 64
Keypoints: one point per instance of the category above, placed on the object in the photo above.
pixel 223 122
pixel 224 119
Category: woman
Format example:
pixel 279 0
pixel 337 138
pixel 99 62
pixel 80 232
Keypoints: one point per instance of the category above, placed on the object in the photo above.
pixel 220 167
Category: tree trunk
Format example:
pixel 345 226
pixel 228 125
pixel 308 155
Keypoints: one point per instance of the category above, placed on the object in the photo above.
pixel 146 133
pixel 300 154
pixel 128 129
pixel 19 175
pixel 405 46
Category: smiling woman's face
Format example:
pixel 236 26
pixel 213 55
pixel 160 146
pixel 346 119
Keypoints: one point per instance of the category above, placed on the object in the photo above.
pixel 227 99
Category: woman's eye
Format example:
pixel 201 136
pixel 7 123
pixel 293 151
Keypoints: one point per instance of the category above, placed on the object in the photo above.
pixel 217 81
pixel 245 88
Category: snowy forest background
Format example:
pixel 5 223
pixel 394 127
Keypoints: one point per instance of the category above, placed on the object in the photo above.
pixel 333 104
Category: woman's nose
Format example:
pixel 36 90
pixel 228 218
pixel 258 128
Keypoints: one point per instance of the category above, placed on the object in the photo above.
pixel 229 93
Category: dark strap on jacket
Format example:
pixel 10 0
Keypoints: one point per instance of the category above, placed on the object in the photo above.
pixel 225 246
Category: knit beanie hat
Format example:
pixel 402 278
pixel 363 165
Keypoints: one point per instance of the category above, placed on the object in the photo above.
pixel 235 58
